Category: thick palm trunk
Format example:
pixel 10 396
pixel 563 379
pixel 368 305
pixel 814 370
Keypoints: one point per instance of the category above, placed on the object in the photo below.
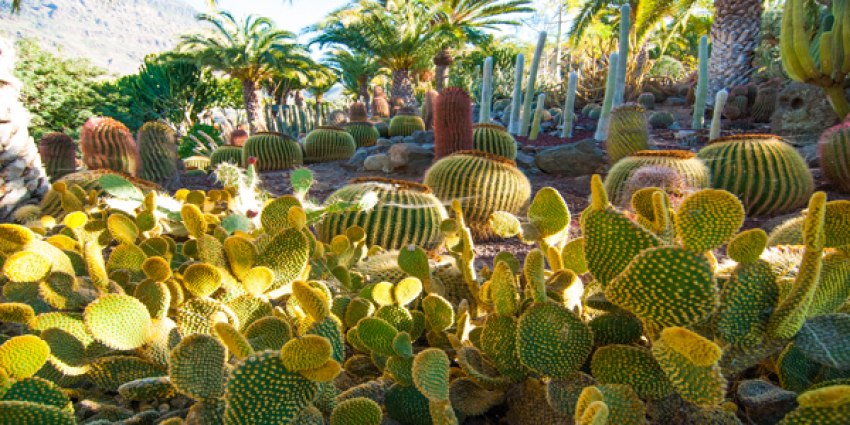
pixel 403 87
pixel 442 61
pixel 22 177
pixel 253 106
pixel 734 36
pixel 363 90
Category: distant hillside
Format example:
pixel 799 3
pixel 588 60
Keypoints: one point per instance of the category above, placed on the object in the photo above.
pixel 114 34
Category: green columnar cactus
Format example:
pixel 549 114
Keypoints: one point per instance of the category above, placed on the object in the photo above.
pixel 486 91
pixel 694 171
pixel 231 154
pixel 494 139
pixel 516 101
pixel 625 29
pixel 646 101
pixel 702 84
pixel 108 144
pixel 158 149
pixel 834 156
pixel 428 108
pixel 531 87
pixel 569 106
pixel 627 132
pixel 273 151
pixel 607 104
pixel 483 183
pixel 538 115
pixel 405 123
pixel 452 122
pixel 406 214
pixel 719 103
pixel 765 104
pixel 365 134
pixel 769 176
pixel 58 154
pixel 326 144
pixel 830 72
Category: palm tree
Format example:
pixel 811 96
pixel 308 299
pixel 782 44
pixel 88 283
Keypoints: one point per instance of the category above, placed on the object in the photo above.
pixel 321 82
pixel 354 71
pixel 734 37
pixel 250 50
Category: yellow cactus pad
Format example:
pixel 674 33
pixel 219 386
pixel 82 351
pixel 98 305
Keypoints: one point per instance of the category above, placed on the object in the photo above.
pixel 708 219
pixel 548 212
pixel 23 356
pixel 201 279
pixel 26 266
pixel 306 352
pixel 122 228
pixel 157 269
pixel 324 373
pixel 747 246
pixel 697 349
pixel 233 340
pixel 357 411
pixel 312 301
pixel 431 374
pixel 194 220
pixel 120 322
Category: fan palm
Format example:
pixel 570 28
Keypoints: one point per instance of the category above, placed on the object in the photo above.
pixel 250 50
pixel 354 71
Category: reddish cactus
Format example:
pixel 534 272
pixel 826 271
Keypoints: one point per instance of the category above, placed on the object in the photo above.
pixel 357 112
pixel 452 122
pixel 238 137
pixel 58 154
pixel 108 144
pixel 428 108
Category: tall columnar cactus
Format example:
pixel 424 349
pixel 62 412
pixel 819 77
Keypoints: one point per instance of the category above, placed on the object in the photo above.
pixel 108 144
pixel 483 183
pixel 767 174
pixel 622 66
pixel 231 154
pixel 516 102
pixel 538 115
pixel 406 214
pixel 274 151
pixel 532 83
pixel 834 155
pixel 628 132
pixel 765 103
pixel 830 72
pixel 695 172
pixel 428 108
pixel 158 149
pixel 380 107
pixel 486 91
pixel 702 84
pixel 452 122
pixel 719 103
pixel 357 112
pixel 58 154
pixel 325 144
pixel 364 133
pixel 605 113
pixel 494 139
pixel 570 105
pixel 405 123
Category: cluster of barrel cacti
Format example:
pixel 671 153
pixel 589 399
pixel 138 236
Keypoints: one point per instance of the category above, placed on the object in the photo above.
pixel 261 322
pixel 756 101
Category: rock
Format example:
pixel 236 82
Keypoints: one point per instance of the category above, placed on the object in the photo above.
pixel 410 158
pixel 356 161
pixel 674 126
pixel 421 137
pixel 810 154
pixel 545 124
pixel 397 139
pixel 380 162
pixel 410 139
pixel 529 149
pixel 685 133
pixel 429 146
pixel 675 101
pixel 524 160
pixel 765 403
pixel 571 160
pixel 384 143
pixel 802 114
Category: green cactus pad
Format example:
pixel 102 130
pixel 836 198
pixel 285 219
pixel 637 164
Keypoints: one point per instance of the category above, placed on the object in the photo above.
pixel 26 413
pixel 563 395
pixel 825 339
pixel 197 367
pixel 17 313
pixel 548 212
pixel 155 296
pixel 499 343
pixel 407 405
pixel 747 246
pixel 438 312
pixel 746 299
pixel 611 242
pixel 690 362
pixel 708 219
pixel 130 258
pixel 67 352
pixel 552 341
pixel 109 373
pixel 795 370
pixel 399 317
pixel 504 292
pixel 377 334
pixel 616 328
pixel 400 369
pixel 431 374
pixel 199 314
pixel 268 333
pixel 147 389
pixel 36 390
pixel 357 411
pixel 120 322
pixel 632 366
pixel 286 255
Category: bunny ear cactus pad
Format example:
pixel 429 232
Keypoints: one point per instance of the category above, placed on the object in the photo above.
pixel 27 413
pixel 690 362
pixel 26 266
pixel 431 369
pixel 23 356
pixel 552 341
pixel 120 322
pixel 746 299
pixel 263 391
pixel 633 366
pixel 747 246
pixel 357 411
pixel 286 255
pixel 666 286
pixel 306 352
pixel 197 367
pixel 823 406
pixel 825 339
pixel 708 219
pixel 548 212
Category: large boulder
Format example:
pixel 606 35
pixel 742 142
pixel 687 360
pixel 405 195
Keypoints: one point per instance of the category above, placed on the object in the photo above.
pixel 765 403
pixel 571 160
pixel 410 158
pixel 379 162
pixel 802 114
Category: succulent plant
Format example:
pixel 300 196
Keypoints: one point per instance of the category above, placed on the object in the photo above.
pixel 325 144
pixel 494 139
pixel 108 144
pixel 627 132
pixel 58 154
pixel 453 129
pixel 158 150
pixel 273 151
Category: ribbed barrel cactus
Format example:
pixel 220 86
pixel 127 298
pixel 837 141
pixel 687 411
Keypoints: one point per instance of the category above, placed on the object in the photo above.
pixel 231 154
pixel 834 155
pixel 58 154
pixel 325 144
pixel 406 214
pixel 364 133
pixel 495 139
pixel 274 151
pixel 405 123
pixel 695 172
pixel 767 174
pixel 108 144
pixel 158 149
pixel 483 183
pixel 627 132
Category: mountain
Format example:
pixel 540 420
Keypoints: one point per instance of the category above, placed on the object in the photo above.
pixel 114 34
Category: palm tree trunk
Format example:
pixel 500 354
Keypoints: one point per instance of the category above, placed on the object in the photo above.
pixel 319 109
pixel 734 37
pixel 22 177
pixel 403 88
pixel 363 90
pixel 253 107
pixel 442 60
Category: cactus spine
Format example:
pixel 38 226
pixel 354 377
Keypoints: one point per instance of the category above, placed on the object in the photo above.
pixel 452 122
pixel 108 144
pixel 486 91
pixel 702 85
pixel 719 103
pixel 513 126
pixel 532 81
pixel 569 106
pixel 538 115
pixel 605 116
pixel 58 153
pixel 625 26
